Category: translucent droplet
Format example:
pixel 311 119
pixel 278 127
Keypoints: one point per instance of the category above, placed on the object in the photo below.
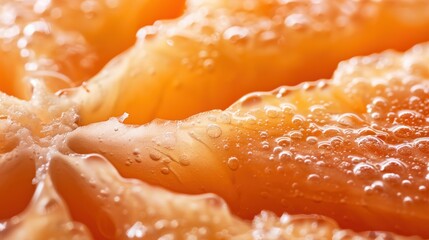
pixel 236 34
pixel 349 120
pixel 407 200
pixel 402 131
pixel 283 141
pixel 311 140
pixel 214 131
pixel 233 163
pixel 138 230
pixel 155 155
pixel 272 112
pixel 297 21
pixel 285 155
pixel 392 165
pixel 392 178
pixel 313 178
pixel 165 170
pixel 422 144
pixel 364 170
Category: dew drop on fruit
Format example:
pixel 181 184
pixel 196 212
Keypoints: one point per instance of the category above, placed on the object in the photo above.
pixel 297 21
pixel 155 155
pixel 391 178
pixel 233 163
pixel 422 144
pixel 349 120
pixel 214 131
pixel 236 34
pixel 272 112
pixel 392 165
pixel 165 170
pixel 402 131
pixel 283 141
pixel 208 64
pixel 407 200
pixel 311 140
pixel 285 155
pixel 370 143
pixel 184 160
pixel 364 170
pixel 138 230
pixel 298 120
pixel 313 178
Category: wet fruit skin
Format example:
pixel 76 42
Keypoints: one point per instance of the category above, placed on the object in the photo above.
pixel 219 50
pixel 39 39
pixel 354 148
pixel 221 149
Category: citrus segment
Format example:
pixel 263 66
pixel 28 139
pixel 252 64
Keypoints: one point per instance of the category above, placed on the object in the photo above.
pixel 116 208
pixel 46 217
pixel 218 51
pixel 16 169
pixel 66 42
pixel 353 148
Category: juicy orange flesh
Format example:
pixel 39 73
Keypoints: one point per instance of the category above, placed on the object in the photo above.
pixel 353 148
pixel 214 54
pixel 42 41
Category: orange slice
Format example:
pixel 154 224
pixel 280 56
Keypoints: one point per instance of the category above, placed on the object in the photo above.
pixel 219 51
pixel 353 148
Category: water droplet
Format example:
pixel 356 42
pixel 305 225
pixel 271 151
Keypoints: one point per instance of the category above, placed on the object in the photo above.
pixel 298 120
pixel 402 131
pixel 214 131
pixel 208 64
pixel 184 160
pixel 311 140
pixel 165 170
pixel 422 144
pixel 283 141
pixel 406 183
pixel 391 178
pixel 285 155
pixel 331 132
pixel 272 111
pixel 370 143
pixel 138 230
pixel 155 155
pixel 236 34
pixel 377 186
pixel 407 200
pixel 296 135
pixel 349 120
pixel 317 109
pixel 364 170
pixel 392 165
pixel 136 151
pixel 297 21
pixel 313 178
pixel 224 117
pixel 233 163
pixel 265 145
